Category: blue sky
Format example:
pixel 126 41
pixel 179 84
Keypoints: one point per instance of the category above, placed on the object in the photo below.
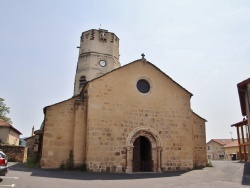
pixel 202 45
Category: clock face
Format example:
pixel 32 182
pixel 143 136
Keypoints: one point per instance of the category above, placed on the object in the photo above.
pixel 102 63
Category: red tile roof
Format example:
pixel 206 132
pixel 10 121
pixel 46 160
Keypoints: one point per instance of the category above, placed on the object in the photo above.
pixel 5 124
pixel 222 142
pixel 232 144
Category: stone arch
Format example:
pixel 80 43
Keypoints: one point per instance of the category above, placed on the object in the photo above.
pixel 155 141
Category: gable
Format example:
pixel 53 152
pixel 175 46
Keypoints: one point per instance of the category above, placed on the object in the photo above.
pixel 199 117
pixel 144 70
pixel 7 125
pixel 118 90
pixel 221 142
pixel 212 143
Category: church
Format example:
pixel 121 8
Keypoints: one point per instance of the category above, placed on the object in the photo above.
pixel 131 118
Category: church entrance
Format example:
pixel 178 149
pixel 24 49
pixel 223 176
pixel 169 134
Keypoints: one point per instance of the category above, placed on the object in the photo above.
pixel 142 155
pixel 143 150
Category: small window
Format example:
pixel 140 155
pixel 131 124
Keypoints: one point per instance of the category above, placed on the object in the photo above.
pixel 208 147
pixel 221 156
pixel 82 81
pixel 143 86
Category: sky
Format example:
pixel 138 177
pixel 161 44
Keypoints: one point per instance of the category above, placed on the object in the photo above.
pixel 203 45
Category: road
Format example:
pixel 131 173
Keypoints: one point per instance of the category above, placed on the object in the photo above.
pixel 224 174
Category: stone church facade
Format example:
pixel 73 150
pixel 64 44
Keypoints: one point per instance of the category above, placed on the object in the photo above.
pixel 123 119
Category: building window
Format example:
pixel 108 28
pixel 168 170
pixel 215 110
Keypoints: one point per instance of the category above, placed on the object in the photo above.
pixel 143 86
pixel 82 81
pixel 208 147
pixel 221 156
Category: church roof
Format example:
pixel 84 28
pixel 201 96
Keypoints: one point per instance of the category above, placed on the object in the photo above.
pixel 135 62
pixel 144 60
pixel 44 109
pixel 154 67
pixel 199 116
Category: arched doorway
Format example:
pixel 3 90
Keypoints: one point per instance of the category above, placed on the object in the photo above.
pixel 142 155
pixel 146 144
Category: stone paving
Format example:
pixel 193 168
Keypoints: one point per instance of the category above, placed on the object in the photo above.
pixel 224 174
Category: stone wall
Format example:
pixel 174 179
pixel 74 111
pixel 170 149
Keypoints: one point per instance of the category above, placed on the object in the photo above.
pixel 62 122
pixel 199 137
pixel 32 143
pixel 116 108
pixel 15 153
pixel 101 125
pixel 96 46
pixel 214 150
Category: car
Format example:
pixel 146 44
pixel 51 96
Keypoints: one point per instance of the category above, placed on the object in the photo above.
pixel 3 164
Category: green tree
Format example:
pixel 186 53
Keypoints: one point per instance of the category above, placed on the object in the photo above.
pixel 4 110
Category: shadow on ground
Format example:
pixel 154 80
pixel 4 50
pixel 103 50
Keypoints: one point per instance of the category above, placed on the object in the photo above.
pixel 246 174
pixel 63 174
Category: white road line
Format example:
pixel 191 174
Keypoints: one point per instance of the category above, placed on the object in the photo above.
pixel 4 177
pixel 12 185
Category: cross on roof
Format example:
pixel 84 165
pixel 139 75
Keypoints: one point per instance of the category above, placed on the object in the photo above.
pixel 143 56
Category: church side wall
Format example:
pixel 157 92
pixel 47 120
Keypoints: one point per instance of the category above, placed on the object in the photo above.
pixel 58 134
pixel 199 138
pixel 80 131
pixel 116 107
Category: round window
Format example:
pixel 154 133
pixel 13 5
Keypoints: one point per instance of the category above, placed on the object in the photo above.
pixel 143 86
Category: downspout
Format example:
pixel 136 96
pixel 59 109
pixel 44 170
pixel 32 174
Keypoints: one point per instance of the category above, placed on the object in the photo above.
pixel 40 150
pixel 84 96
pixel 87 101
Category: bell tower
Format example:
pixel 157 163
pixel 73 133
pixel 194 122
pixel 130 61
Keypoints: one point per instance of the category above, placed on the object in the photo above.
pixel 98 54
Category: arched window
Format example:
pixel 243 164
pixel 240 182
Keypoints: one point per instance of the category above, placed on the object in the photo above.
pixel 82 81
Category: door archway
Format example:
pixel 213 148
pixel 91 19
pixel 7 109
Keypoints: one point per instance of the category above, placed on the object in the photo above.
pixel 142 155
pixel 151 143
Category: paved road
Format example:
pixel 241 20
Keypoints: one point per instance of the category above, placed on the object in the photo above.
pixel 224 174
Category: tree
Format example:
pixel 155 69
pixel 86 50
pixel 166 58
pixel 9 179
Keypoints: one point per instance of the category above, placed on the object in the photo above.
pixel 4 110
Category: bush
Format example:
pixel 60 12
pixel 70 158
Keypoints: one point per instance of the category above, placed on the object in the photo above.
pixel 82 167
pixel 70 162
pixel 62 166
pixel 32 162
pixel 209 163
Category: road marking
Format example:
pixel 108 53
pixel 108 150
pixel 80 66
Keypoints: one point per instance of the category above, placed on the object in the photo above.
pixel 12 185
pixel 4 177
